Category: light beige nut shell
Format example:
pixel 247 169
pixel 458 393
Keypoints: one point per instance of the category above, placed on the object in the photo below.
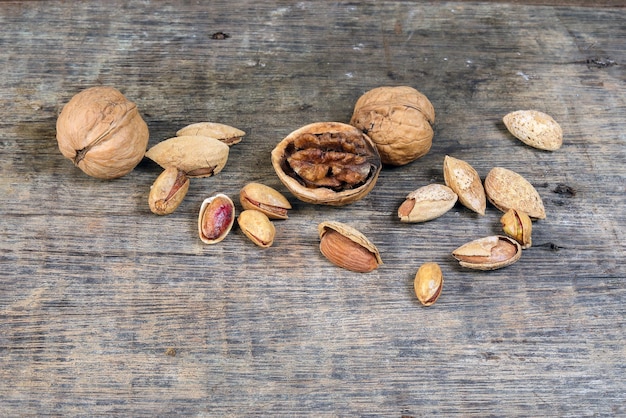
pixel 535 128
pixel 161 200
pixel 257 227
pixel 265 199
pixel 191 154
pixel 322 195
pixel 464 180
pixel 430 202
pixel 507 189
pixel 224 133
pixel 483 247
pixel 399 120
pixel 201 214
pixel 428 283
pixel 102 132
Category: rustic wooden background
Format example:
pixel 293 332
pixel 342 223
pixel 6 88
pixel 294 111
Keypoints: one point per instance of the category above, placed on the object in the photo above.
pixel 106 309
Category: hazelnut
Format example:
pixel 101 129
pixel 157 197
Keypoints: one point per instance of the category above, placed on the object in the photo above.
pixel 102 133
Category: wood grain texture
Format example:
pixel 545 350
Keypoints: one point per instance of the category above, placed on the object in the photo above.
pixel 106 309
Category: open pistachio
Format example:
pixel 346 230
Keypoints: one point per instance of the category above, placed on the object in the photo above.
pixel 517 225
pixel 264 199
pixel 348 248
pixel 426 203
pixel 217 215
pixel 197 156
pixel 258 227
pixel 168 191
pixel 224 133
pixel 428 283
pixel 489 253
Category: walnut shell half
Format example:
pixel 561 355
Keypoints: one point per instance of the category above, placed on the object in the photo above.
pixel 399 121
pixel 102 132
pixel 327 163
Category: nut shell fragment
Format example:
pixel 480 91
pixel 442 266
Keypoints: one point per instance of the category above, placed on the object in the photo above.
pixel 535 128
pixel 257 227
pixel 264 199
pixel 488 253
pixel 461 177
pixel 327 163
pixel 197 156
pixel 224 133
pixel 507 189
pixel 348 248
pixel 426 203
pixel 216 218
pixel 428 283
pixel 399 120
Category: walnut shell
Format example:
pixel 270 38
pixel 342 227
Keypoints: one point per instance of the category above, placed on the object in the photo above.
pixel 399 121
pixel 329 163
pixel 102 132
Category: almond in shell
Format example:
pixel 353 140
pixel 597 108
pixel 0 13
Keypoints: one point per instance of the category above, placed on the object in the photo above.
pixel 534 128
pixel 507 189
pixel 426 203
pixel 464 180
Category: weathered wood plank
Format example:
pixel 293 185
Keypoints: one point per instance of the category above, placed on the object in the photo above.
pixel 95 290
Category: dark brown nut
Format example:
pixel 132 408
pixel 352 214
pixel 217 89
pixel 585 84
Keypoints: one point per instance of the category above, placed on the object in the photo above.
pixel 399 121
pixel 168 191
pixel 102 133
pixel 489 253
pixel 327 163
pixel 217 215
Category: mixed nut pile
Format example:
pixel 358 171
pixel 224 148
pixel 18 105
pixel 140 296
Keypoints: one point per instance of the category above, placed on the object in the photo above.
pixel 329 163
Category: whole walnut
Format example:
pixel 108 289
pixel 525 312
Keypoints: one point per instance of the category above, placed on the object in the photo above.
pixel 102 132
pixel 399 121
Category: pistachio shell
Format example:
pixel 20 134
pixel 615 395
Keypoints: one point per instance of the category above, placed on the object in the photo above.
pixel 168 191
pixel 426 203
pixel 507 189
pixel 348 248
pixel 224 133
pixel 535 128
pixel 518 226
pixel 264 199
pixel 464 180
pixel 257 227
pixel 488 253
pixel 428 283
pixel 197 156
pixel 216 218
